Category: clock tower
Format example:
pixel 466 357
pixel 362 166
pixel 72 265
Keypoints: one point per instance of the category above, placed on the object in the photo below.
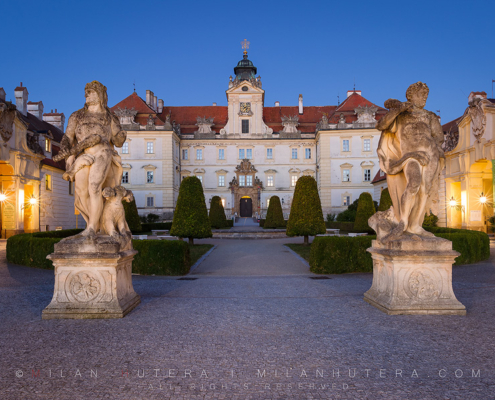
pixel 245 101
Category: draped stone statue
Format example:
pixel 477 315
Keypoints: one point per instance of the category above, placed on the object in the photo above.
pixel 410 153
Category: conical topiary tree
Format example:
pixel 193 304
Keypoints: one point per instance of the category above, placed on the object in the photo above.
pixel 365 210
pixel 191 216
pixel 132 216
pixel 217 213
pixel 274 215
pixel 385 200
pixel 306 217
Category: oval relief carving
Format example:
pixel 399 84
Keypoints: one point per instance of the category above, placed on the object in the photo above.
pixel 84 287
pixel 423 286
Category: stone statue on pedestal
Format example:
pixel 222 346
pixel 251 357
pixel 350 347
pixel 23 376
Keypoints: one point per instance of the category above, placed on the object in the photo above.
pixel 412 268
pixel 93 269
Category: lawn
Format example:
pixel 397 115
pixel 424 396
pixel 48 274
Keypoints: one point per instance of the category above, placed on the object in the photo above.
pixel 300 249
pixel 197 251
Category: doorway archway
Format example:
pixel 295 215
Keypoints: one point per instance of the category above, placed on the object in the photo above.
pixel 246 207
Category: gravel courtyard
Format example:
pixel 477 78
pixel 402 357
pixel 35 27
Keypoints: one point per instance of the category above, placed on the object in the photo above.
pixel 252 325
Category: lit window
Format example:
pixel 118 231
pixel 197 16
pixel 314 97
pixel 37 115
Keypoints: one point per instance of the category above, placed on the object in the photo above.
pixel 367 175
pixel 270 180
pixel 249 154
pixel 346 175
pixel 48 182
pixel 249 180
pixel 71 188
pixel 149 176
pixel 294 154
pixel 242 180
pixel 125 177
pixel 150 201
pixel 48 145
pixel 308 153
pixel 221 180
pixel 267 203
pixel 346 200
pixel 293 180
pixel 245 126
pixel 269 153
pixel 241 154
pixel 367 144
pixel 125 148
pixel 184 154
pixel 223 202
pixel 221 154
pixel 149 148
pixel 345 145
pixel 199 154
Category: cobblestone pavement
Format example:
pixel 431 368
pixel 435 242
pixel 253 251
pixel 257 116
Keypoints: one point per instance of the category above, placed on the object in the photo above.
pixel 239 337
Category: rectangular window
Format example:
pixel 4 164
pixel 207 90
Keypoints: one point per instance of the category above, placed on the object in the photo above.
pixel 221 180
pixel 242 180
pixel 125 177
pixel 249 180
pixel 223 203
pixel 150 201
pixel 245 126
pixel 346 175
pixel 184 154
pixel 221 154
pixel 71 188
pixel 294 154
pixel 48 182
pixel 269 154
pixel 241 154
pixel 345 145
pixel 149 148
pixel 199 154
pixel 367 144
pixel 270 180
pixel 293 180
pixel 249 154
pixel 125 148
pixel 267 203
pixel 48 145
pixel 149 176
pixel 346 200
pixel 308 154
pixel 200 177
pixel 367 175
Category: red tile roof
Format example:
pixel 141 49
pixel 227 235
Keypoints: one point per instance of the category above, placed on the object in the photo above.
pixel 136 102
pixel 379 177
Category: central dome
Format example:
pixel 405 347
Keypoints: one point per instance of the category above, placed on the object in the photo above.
pixel 245 70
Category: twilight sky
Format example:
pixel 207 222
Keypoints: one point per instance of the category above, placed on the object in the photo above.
pixel 184 51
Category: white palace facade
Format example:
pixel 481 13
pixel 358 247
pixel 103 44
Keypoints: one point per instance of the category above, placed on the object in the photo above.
pixel 246 152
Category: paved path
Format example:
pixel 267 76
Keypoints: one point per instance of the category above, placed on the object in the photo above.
pixel 233 337
pixel 246 222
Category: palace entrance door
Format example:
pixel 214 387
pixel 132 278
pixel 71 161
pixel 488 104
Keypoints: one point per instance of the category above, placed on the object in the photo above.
pixel 246 207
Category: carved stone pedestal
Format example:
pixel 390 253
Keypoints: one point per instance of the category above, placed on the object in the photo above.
pixel 92 280
pixel 414 277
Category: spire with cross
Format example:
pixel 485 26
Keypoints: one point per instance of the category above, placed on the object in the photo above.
pixel 245 46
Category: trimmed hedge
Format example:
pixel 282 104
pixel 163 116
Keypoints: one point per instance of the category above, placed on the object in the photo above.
pixel 217 213
pixel 385 200
pixel 159 257
pixel 343 226
pixel 156 226
pixel 337 255
pixel 229 223
pixel 132 216
pixel 364 212
pixel 274 214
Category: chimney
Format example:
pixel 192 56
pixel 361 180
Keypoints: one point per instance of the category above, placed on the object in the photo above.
pixel 160 106
pixel 155 100
pixel 277 104
pixel 21 97
pixel 35 108
pixel 2 94
pixel 214 104
pixel 301 109
pixel 55 118
pixel 148 97
pixel 349 92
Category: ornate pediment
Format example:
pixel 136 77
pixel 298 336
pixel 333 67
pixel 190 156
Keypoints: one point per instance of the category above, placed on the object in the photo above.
pixel 150 125
pixel 204 125
pixel 245 167
pixel 290 124
pixel 366 114
pixel 149 166
pixel 126 116
pixel 323 123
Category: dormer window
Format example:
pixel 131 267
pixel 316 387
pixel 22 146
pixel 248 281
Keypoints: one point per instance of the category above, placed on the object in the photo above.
pixel 48 145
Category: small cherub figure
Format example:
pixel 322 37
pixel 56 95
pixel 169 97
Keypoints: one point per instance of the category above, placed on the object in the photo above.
pixel 113 220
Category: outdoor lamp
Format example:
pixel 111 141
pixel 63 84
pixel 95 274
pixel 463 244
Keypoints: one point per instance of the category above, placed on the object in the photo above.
pixel 482 198
pixel 452 202
pixel 2 197
pixel 33 201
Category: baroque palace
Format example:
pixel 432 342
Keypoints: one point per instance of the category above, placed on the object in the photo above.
pixel 246 152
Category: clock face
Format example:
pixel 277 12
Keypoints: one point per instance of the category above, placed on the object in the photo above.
pixel 245 107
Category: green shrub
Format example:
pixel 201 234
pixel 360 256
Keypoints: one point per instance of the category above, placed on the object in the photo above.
pixel 229 223
pixel 385 200
pixel 262 222
pixel 331 217
pixel 343 226
pixel 346 216
pixel 132 216
pixel 364 212
pixel 274 215
pixel 217 213
pixel 430 220
pixel 191 216
pixel 152 218
pixel 306 217
pixel 340 254
pixel 157 226
pixel 161 257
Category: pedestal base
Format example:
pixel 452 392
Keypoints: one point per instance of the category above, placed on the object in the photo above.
pixel 93 283
pixel 414 277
